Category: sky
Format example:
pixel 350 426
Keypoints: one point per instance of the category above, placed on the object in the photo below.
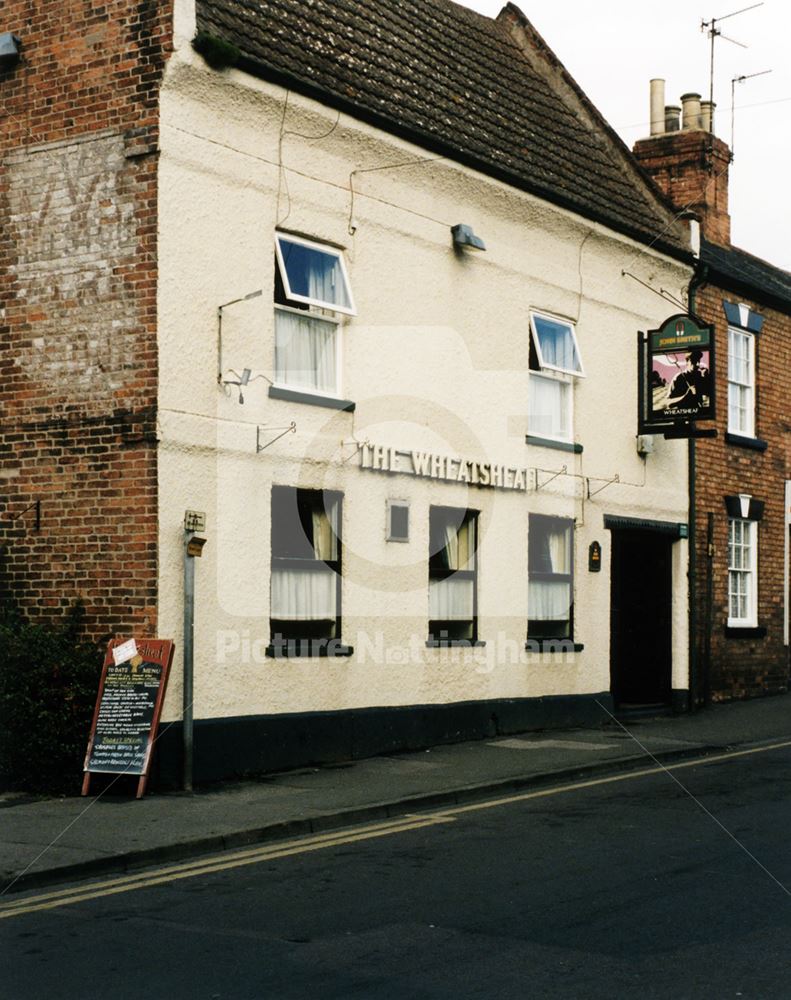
pixel 614 47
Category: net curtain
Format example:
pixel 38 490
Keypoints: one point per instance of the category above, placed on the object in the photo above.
pixel 557 344
pixel 310 594
pixel 305 344
pixel 451 599
pixel 550 600
pixel 305 351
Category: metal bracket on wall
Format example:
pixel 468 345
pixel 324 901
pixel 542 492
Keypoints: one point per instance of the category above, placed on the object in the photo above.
pixel 291 429
pixel 358 445
pixel 553 475
pixel 615 479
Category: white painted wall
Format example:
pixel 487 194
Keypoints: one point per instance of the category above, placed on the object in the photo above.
pixel 436 358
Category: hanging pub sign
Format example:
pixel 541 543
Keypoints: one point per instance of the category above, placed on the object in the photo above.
pixel 676 374
pixel 128 706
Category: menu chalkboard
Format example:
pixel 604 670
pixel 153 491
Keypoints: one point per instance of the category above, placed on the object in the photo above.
pixel 128 707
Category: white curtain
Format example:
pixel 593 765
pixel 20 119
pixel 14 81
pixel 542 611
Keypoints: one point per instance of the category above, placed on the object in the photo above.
pixel 451 547
pixel 459 545
pixel 305 351
pixel 548 600
pixel 303 595
pixel 325 532
pixel 548 410
pixel 323 283
pixel 450 599
pixel 559 544
pixel 557 344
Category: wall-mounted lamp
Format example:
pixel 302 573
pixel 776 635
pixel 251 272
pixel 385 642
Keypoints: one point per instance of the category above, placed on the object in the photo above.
pixel 239 381
pixel 465 239
pixel 242 380
pixel 243 298
pixel 9 50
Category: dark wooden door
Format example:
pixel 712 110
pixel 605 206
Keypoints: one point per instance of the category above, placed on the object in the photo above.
pixel 641 625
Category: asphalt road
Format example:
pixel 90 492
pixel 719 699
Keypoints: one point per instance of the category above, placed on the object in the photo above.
pixel 617 889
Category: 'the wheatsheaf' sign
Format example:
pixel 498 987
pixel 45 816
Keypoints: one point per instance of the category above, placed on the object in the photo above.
pixel 380 458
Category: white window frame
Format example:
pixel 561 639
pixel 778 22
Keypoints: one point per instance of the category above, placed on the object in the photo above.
pixel 750 620
pixel 549 372
pixel 334 393
pixel 322 248
pixel 318 309
pixel 748 431
pixel 574 372
pixel 568 392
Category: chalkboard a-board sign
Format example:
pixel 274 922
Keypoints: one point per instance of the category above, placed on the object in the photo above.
pixel 128 706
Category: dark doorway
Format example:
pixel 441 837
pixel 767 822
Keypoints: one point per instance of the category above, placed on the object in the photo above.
pixel 641 627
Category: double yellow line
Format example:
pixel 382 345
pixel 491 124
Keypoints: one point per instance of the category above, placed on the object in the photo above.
pixel 216 863
pixel 319 842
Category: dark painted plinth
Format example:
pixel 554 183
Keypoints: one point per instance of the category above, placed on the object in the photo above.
pixel 246 745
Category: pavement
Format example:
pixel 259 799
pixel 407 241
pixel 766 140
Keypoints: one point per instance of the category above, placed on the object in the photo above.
pixel 46 841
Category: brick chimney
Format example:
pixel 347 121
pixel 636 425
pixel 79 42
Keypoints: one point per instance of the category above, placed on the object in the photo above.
pixel 687 161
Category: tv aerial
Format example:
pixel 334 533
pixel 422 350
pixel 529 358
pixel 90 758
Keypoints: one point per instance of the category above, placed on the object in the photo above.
pixel 715 33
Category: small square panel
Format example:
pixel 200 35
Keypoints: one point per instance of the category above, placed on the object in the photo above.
pixel 397 521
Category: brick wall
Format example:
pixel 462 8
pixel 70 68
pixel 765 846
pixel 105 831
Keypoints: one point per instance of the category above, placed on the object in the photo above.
pixel 78 360
pixel 744 667
pixel 691 168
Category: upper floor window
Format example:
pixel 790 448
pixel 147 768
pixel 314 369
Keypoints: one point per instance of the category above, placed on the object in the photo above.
pixel 554 362
pixel 741 382
pixel 311 292
pixel 452 575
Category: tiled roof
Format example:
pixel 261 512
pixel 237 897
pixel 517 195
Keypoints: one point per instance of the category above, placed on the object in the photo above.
pixel 750 275
pixel 454 82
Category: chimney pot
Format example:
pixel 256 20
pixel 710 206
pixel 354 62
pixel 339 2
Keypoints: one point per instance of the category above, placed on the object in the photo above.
pixel 672 117
pixel 657 105
pixel 707 115
pixel 690 167
pixel 690 105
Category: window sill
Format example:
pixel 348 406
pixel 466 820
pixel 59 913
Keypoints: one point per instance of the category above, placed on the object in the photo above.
pixel 453 643
pixel 745 632
pixel 297 396
pixel 553 646
pixel 756 444
pixel 541 442
pixel 308 648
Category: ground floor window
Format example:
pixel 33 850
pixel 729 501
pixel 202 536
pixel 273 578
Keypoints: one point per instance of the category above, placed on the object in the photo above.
pixel 550 589
pixel 742 573
pixel 305 598
pixel 452 575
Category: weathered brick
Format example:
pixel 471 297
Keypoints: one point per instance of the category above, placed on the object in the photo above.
pixel 78 356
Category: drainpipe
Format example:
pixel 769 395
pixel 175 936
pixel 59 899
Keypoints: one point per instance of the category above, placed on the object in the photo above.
pixel 189 629
pixel 193 547
pixel 698 280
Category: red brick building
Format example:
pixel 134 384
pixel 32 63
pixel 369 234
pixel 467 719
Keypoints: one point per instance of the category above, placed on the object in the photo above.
pixel 78 279
pixel 739 577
